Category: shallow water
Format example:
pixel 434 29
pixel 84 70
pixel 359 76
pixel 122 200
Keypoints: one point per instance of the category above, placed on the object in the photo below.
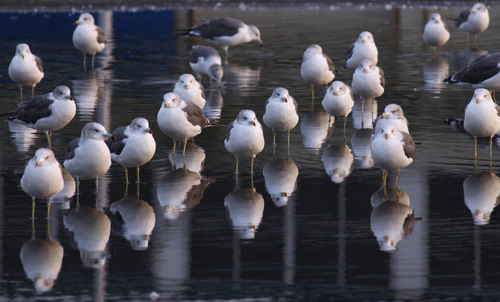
pixel 318 245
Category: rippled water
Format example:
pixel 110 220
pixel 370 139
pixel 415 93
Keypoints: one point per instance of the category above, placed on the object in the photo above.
pixel 320 244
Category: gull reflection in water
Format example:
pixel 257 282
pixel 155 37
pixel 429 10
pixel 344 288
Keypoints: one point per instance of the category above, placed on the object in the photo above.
pixel 482 195
pixel 338 162
pixel 193 160
pixel 434 72
pixel 316 127
pixel 213 106
pixel 245 208
pixel 364 113
pixel 361 142
pixel 134 219
pixel 392 218
pixel 280 176
pixel 42 258
pixel 23 136
pixel 91 230
pixel 244 79
pixel 63 198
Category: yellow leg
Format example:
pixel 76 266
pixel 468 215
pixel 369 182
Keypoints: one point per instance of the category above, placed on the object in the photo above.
pixel 137 176
pixel 251 165
pixel 33 91
pixel 491 154
pixel 93 58
pixel 312 96
pixel 126 175
pixel 21 90
pixel 84 61
pixel 237 163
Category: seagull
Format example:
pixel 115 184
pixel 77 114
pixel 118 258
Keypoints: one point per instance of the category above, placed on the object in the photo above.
pixel 392 114
pixel 435 32
pixel 368 80
pixel 42 176
pixel 226 32
pixel 133 145
pixel 338 100
pixel 483 72
pixel 281 112
pixel 88 156
pixel 482 118
pixel 25 69
pixel 363 48
pixel 47 113
pixel 179 119
pixel 190 90
pixel 392 149
pixel 473 21
pixel 317 68
pixel 206 61
pixel 245 137
pixel 88 37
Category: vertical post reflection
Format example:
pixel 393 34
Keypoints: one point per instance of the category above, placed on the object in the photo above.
pixel 289 242
pixel 341 235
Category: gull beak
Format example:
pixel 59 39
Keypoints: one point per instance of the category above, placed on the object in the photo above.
pixel 284 99
pixel 387 135
pixel 478 212
pixel 76 22
pixel 479 100
pixel 363 40
pixel 166 105
pixel 147 130
pixel 366 70
pixel 166 208
pixel 384 115
pixel 69 97
pixel 107 136
pixel 187 86
pixel 335 92
pixel 38 163
pixel 252 123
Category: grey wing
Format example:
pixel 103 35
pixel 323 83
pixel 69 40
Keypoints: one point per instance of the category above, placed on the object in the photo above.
pixel 31 111
pixel 295 104
pixel 39 63
pixel 100 35
pixel 350 90
pixel 228 130
pixel 71 149
pixel 382 76
pixel 202 91
pixel 464 16
pixel 331 66
pixel 498 109
pixel 349 51
pixel 408 145
pixel 117 142
pixel 195 115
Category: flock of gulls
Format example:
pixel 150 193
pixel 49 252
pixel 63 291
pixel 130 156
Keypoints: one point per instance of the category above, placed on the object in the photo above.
pixel 181 117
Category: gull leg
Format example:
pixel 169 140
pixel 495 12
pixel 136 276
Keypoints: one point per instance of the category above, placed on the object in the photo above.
pixel 237 163
pixel 251 165
pixel 184 149
pixel 48 135
pixel 362 113
pixel 33 91
pixel 21 90
pixel 93 57
pixel 492 92
pixel 345 122
pixel 475 36
pixel 96 186
pixel 78 192
pixel 137 170
pixel 126 175
pixel 312 96
pixel 126 190
pixel 274 138
pixel 397 178
pixel 475 148
pixel 384 177
pixel 491 153
pixel 85 61
pixel 175 146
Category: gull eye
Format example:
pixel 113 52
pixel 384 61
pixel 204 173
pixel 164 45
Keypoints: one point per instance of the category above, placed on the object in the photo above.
pixel 96 130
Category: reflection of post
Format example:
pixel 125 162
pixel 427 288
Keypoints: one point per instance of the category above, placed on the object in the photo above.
pixel 409 262
pixel 100 284
pixel 236 256
pixel 477 258
pixel 341 241
pixel 289 242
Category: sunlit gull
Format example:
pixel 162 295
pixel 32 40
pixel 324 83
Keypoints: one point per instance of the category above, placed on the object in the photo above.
pixel 206 61
pixel 47 113
pixel 26 69
pixel 435 32
pixel 88 156
pixel 190 90
pixel 368 80
pixel 88 37
pixel 483 72
pixel 338 100
pixel 42 176
pixel 392 149
pixel 281 112
pixel 363 48
pixel 226 32
pixel 244 137
pixel 482 118
pixel 317 68
pixel 473 21
pixel 132 146
pixel 393 114
pixel 180 120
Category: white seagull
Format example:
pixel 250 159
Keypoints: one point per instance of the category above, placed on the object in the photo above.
pixel 435 32
pixel 26 69
pixel 47 113
pixel 281 112
pixel 392 149
pixel 180 120
pixel 368 80
pixel 363 48
pixel 88 37
pixel 317 68
pixel 338 100
pixel 482 118
pixel 206 61
pixel 473 21
pixel 226 32
pixel 392 114
pixel 190 90
pixel 88 156
pixel 42 176
pixel 245 137
pixel 132 146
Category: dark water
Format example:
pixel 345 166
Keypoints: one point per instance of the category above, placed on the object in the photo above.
pixel 318 245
